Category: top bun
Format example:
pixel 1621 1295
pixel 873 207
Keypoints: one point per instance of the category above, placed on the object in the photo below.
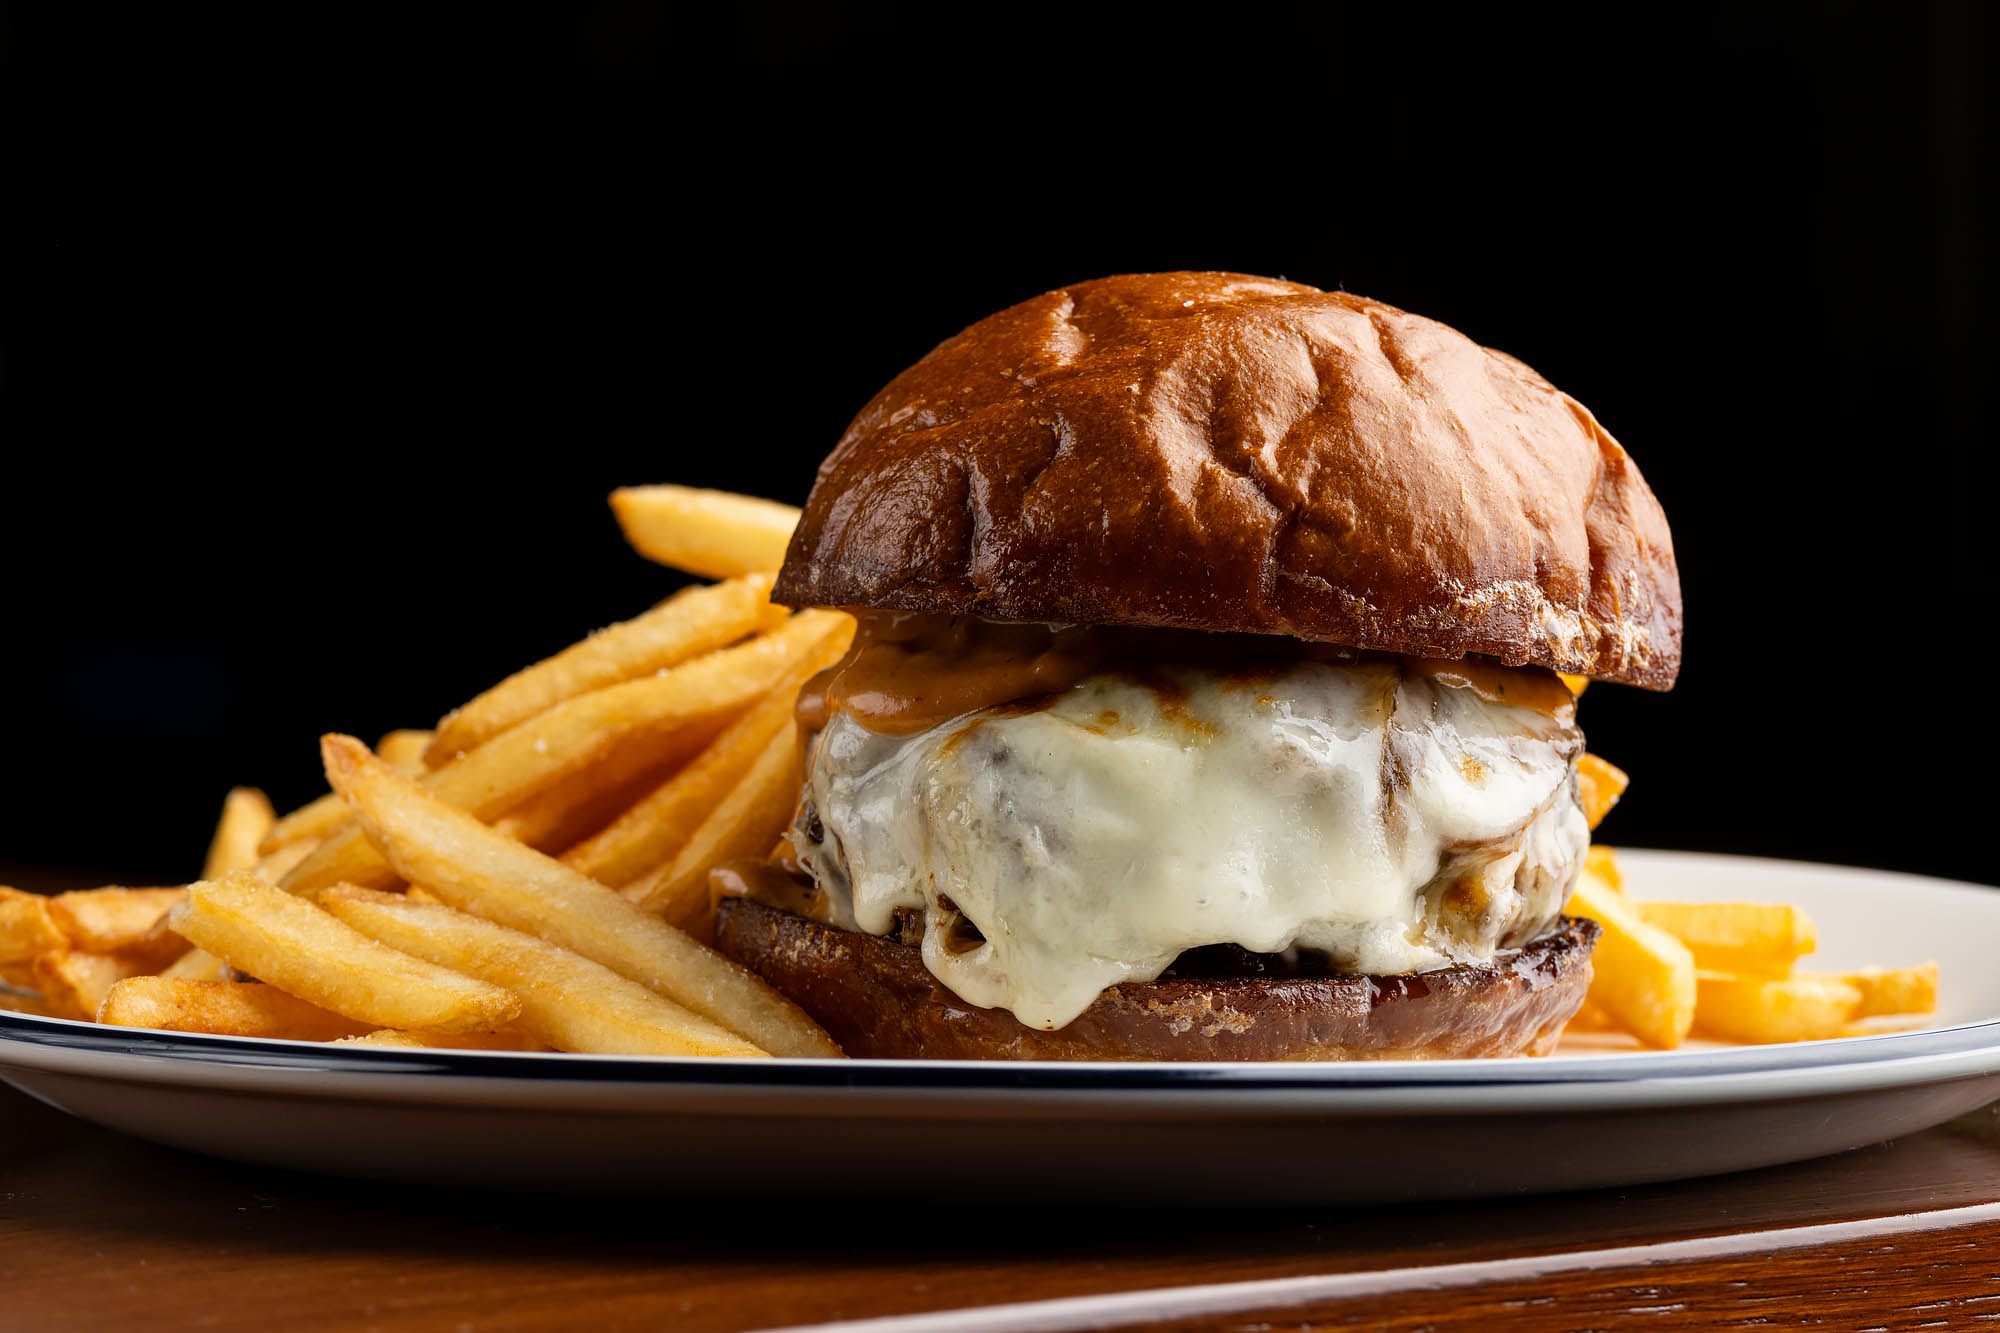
pixel 1218 452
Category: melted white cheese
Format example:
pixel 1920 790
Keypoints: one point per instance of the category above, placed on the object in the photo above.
pixel 1394 822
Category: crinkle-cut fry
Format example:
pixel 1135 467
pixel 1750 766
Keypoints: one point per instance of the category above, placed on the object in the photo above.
pixel 246 818
pixel 1599 785
pixel 285 941
pixel 1756 939
pixel 693 621
pixel 567 1000
pixel 747 822
pixel 647 835
pixel 466 864
pixel 199 965
pixel 523 762
pixel 712 534
pixel 1640 975
pixel 115 920
pixel 28 928
pixel 75 981
pixel 316 819
pixel 1888 991
pixel 224 1008
pixel 1761 1010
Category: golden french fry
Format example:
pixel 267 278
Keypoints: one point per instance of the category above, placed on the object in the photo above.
pixel 27 927
pixel 394 1038
pixel 283 940
pixel 401 750
pixel 116 920
pixel 75 981
pixel 225 1008
pixel 714 534
pixel 1755 939
pixel 567 1000
pixel 692 622
pixel 1599 785
pixel 571 811
pixel 1590 1017
pixel 246 818
pixel 747 822
pixel 1892 990
pixel 469 866
pixel 505 1039
pixel 1764 1009
pixel 649 834
pixel 1640 975
pixel 199 965
pixel 1601 862
pixel 404 750
pixel 688 700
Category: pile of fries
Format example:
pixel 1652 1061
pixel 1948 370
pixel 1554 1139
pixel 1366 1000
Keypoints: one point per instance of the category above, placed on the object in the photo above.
pixel 531 875
pixel 534 873
pixel 1727 971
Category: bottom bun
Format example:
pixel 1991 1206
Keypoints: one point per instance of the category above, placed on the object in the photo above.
pixel 877 999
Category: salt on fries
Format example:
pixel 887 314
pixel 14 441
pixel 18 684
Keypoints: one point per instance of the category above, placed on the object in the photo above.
pixel 552 842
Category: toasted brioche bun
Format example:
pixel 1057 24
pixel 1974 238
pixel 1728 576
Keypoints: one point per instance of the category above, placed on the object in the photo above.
pixel 877 999
pixel 1219 452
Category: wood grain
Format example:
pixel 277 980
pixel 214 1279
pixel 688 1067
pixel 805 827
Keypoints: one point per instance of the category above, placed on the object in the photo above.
pixel 104 1232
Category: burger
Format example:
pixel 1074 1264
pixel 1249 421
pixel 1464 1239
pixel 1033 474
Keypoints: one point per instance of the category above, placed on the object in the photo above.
pixel 1208 700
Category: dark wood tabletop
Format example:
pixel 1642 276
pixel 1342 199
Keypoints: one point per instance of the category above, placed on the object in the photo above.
pixel 104 1232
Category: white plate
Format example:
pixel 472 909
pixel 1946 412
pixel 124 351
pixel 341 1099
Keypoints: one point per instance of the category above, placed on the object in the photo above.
pixel 1178 1133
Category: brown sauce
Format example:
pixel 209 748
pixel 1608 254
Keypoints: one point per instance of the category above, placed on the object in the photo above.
pixel 906 673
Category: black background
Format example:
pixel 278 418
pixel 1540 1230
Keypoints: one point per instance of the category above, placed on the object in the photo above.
pixel 331 327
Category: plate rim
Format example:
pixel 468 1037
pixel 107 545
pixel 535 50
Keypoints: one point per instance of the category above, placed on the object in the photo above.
pixel 40 1043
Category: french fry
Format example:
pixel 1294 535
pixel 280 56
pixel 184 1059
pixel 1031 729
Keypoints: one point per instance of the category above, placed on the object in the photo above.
pixel 505 1039
pixel 246 818
pixel 571 811
pixel 401 750
pixel 747 822
pixel 1640 975
pixel 518 764
pixel 1754 939
pixel 649 834
pixel 1762 1009
pixel 714 534
pixel 1599 785
pixel 393 1038
pixel 692 622
pixel 28 928
pixel 469 866
pixel 1601 862
pixel 287 942
pixel 224 1008
pixel 199 965
pixel 1892 990
pixel 116 920
pixel 404 750
pixel 1590 1017
pixel 567 1000
pixel 75 981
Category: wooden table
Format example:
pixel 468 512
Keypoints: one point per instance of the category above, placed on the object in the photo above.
pixel 103 1232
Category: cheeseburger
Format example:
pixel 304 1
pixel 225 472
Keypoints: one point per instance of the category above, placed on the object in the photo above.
pixel 1205 701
